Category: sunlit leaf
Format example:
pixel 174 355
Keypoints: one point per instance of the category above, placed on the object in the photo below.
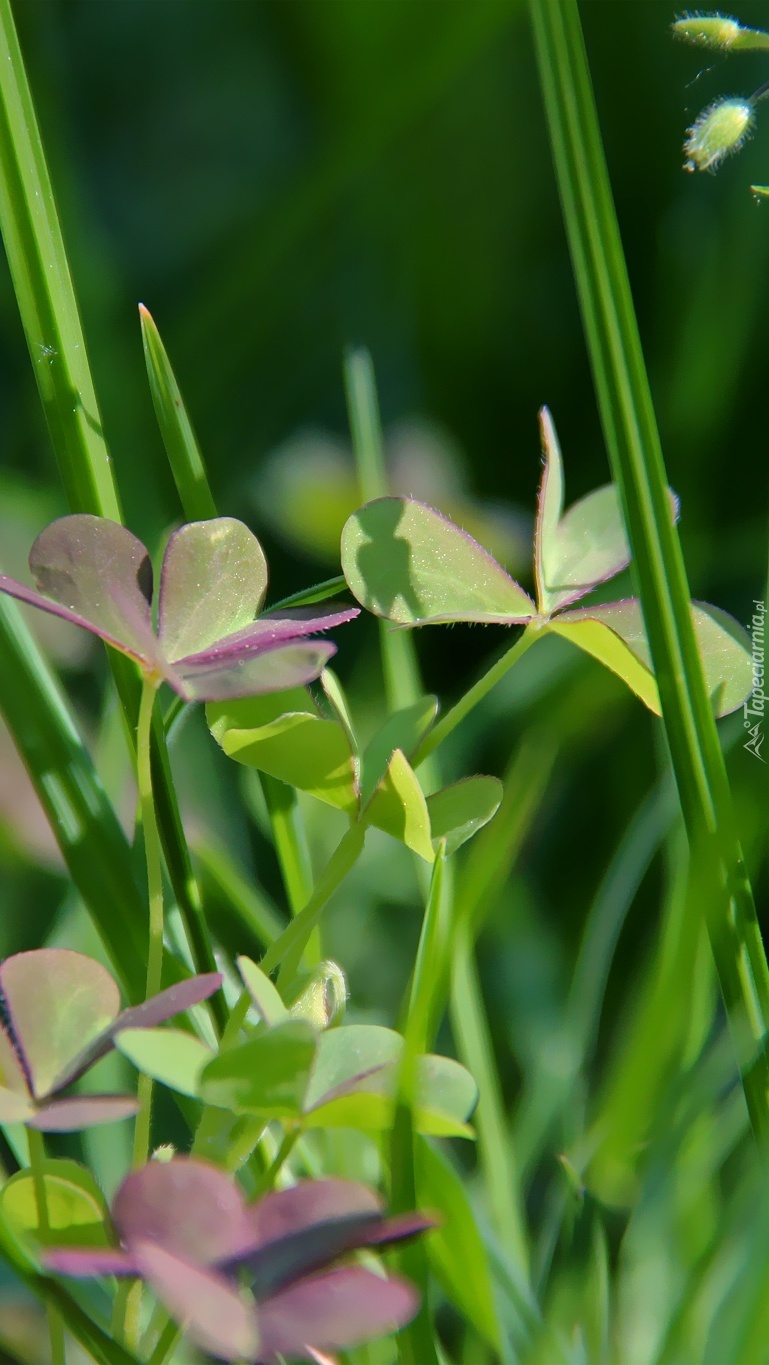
pixel 266 1075
pixel 354 1082
pixel 399 808
pixel 176 999
pixel 583 547
pixel 348 1057
pixel 57 1001
pixel 301 750
pixel 459 811
pixel 614 634
pixel 265 996
pixel 174 1058
pixel 213 582
pixel 407 563
pixel 76 1212
pixel 252 713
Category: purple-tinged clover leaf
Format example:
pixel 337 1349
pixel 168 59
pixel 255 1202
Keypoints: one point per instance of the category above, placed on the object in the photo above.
pixel 61 1013
pixel 405 562
pixel 253 1282
pixel 209 646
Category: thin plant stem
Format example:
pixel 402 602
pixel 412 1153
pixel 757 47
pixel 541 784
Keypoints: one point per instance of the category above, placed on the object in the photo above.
pixel 473 696
pixel 288 948
pixel 151 837
pixel 155 893
pixel 37 1164
pixel 288 1143
pixel 168 1339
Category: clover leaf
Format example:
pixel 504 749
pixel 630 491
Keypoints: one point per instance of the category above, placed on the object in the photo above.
pixel 185 1228
pixel 62 1014
pixel 208 645
pixel 407 563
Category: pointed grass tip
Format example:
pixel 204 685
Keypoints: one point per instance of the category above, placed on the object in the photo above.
pixel 718 132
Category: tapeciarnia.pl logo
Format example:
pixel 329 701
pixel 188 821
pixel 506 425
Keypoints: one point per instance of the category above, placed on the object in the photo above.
pixel 753 709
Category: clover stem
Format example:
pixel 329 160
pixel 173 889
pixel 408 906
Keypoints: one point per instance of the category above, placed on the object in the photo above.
pixel 475 695
pixel 267 1181
pixel 151 836
pixel 36 1161
pixel 166 1342
pixel 155 891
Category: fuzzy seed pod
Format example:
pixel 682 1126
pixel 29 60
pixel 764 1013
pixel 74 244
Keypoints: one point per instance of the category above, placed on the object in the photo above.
pixel 720 130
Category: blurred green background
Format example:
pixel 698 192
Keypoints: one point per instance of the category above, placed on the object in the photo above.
pixel 278 179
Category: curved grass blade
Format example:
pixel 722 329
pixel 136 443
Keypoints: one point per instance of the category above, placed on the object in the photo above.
pixel 43 285
pixel 87 831
pixel 179 439
pixel 635 455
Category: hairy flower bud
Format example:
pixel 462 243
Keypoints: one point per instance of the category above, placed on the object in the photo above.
pixel 719 33
pixel 323 1000
pixel 719 130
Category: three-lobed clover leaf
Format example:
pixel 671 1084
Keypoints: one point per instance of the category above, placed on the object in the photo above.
pixel 287 737
pixel 209 646
pixel 303 1076
pixel 61 1014
pixel 185 1228
pixel 407 563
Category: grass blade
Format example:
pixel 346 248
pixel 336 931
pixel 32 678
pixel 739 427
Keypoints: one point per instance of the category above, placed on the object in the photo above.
pixel 35 249
pixel 91 840
pixel 179 439
pixel 635 454
pixel 43 286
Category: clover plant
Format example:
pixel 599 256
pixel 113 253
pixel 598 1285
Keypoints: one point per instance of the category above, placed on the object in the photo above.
pixel 248 1243
pixel 184 1227
pixel 408 564
pixel 63 1015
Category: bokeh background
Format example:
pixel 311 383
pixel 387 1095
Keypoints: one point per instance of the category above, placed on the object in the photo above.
pixel 279 179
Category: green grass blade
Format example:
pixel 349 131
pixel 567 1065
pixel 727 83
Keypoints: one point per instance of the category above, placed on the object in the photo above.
pixel 179 439
pixel 35 249
pixel 635 454
pixel 40 272
pixel 91 840
pixel 474 1045
pixel 253 910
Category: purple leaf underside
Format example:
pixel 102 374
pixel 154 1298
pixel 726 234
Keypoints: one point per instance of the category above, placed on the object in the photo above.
pixel 97 570
pixel 56 1001
pixel 274 670
pixel 186 1206
pixel 268 633
pixel 82 1111
pixel 209 1308
pixel 87 1264
pixel 342 1308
